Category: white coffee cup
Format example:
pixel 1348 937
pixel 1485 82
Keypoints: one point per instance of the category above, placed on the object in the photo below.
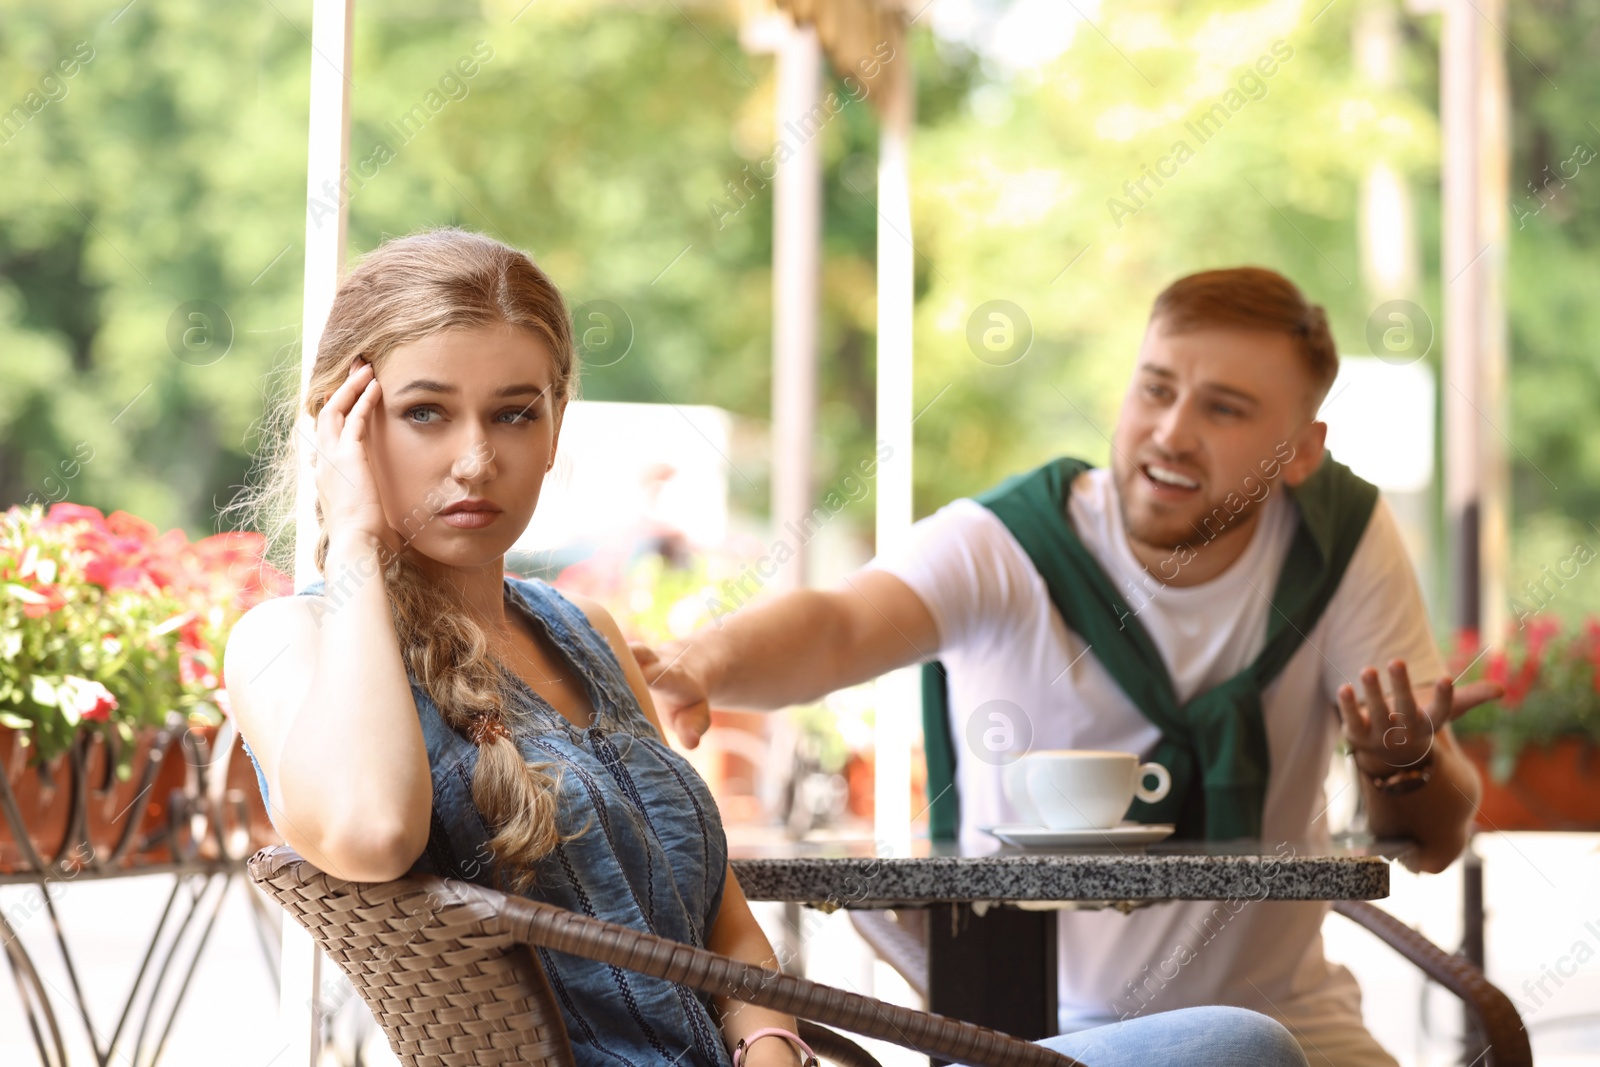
pixel 1080 789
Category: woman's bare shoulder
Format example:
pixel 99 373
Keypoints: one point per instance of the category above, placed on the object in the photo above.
pixel 596 611
pixel 273 643
pixel 273 615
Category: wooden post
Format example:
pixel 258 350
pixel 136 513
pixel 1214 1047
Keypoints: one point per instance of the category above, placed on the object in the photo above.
pixel 898 693
pixel 1475 109
pixel 1476 123
pixel 327 162
pixel 796 269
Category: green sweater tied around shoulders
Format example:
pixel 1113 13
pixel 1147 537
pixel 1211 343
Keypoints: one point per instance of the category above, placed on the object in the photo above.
pixel 1215 745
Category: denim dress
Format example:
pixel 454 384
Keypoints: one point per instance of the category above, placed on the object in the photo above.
pixel 652 855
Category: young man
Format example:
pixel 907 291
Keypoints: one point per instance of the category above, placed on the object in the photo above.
pixel 1216 600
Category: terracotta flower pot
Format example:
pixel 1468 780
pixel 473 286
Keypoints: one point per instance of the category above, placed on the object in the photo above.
pixel 35 792
pixel 112 808
pixel 1555 787
pixel 76 813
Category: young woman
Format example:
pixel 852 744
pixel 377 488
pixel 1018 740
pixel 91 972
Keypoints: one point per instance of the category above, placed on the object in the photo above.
pixel 417 709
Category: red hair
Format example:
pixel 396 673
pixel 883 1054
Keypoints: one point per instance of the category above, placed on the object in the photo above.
pixel 1252 298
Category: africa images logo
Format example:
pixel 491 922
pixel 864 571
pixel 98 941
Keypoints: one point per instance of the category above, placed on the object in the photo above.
pixel 1251 85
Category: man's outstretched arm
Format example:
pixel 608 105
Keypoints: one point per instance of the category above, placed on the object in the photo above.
pixel 792 649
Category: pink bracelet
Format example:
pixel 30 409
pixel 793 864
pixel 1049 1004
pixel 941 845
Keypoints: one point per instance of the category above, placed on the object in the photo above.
pixel 807 1057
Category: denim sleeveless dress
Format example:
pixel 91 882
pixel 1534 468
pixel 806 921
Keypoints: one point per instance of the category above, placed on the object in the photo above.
pixel 653 856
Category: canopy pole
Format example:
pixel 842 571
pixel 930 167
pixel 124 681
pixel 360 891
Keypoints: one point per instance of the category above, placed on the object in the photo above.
pixel 327 163
pixel 898 693
pixel 796 268
pixel 1474 110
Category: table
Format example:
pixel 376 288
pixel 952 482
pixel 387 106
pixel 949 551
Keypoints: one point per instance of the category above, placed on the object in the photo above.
pixel 1014 948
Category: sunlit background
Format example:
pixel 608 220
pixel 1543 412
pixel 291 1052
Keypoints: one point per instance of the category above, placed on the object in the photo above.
pixel 614 142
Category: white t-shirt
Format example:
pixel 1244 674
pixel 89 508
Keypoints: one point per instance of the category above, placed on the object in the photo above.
pixel 1001 640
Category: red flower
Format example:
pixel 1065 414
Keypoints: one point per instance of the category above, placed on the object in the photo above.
pixel 93 701
pixel 1498 669
pixel 104 704
pixel 221 550
pixel 65 512
pixel 112 573
pixel 131 526
pixel 54 600
pixel 189 636
pixel 1541 628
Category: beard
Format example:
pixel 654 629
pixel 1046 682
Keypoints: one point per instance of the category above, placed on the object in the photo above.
pixel 1193 525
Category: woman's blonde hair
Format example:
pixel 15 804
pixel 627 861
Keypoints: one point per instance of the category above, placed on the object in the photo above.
pixel 407 289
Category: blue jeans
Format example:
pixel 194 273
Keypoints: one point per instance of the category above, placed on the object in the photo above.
pixel 1191 1037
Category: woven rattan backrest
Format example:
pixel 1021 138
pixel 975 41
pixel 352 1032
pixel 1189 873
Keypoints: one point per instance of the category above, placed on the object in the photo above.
pixel 447 991
pixel 445 967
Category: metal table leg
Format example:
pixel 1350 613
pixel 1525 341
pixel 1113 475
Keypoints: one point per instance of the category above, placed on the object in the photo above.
pixel 1472 1041
pixel 997 969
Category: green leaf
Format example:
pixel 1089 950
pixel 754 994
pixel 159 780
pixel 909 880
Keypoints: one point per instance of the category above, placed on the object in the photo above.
pixel 16 722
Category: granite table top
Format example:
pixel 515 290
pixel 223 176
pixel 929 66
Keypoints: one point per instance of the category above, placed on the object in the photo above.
pixel 851 874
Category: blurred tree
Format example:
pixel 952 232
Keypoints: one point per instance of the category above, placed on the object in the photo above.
pixel 168 169
pixel 1555 365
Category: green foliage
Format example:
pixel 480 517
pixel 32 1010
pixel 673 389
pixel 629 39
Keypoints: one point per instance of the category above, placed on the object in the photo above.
pixel 1555 221
pixel 1551 676
pixel 1022 198
pixel 104 622
pixel 170 168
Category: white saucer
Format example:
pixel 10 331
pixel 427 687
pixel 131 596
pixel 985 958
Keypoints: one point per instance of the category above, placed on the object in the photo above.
pixel 1128 833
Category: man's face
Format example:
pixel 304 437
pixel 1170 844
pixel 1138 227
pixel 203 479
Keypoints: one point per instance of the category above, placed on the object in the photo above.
pixel 464 414
pixel 1213 420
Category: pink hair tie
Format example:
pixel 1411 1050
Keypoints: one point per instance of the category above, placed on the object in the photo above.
pixel 807 1057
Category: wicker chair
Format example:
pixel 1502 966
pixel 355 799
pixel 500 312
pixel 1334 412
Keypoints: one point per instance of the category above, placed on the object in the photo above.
pixel 447 970
pixel 901 942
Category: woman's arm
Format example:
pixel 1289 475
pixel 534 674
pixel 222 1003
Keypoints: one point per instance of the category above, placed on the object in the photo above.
pixel 317 686
pixel 735 931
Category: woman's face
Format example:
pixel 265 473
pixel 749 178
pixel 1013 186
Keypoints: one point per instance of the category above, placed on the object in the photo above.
pixel 464 416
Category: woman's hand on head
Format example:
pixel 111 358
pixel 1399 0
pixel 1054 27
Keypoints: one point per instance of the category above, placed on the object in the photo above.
pixel 346 485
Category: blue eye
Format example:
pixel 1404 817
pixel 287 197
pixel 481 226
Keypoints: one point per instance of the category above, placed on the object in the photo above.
pixel 524 415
